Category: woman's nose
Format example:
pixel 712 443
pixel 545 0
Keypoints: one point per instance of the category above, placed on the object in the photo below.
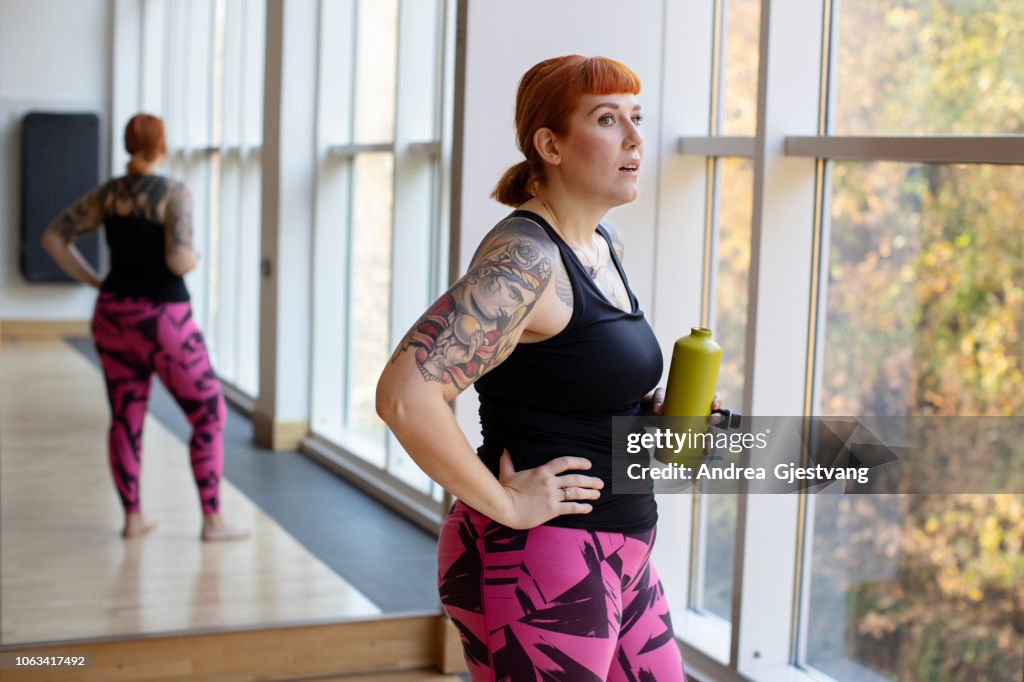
pixel 634 138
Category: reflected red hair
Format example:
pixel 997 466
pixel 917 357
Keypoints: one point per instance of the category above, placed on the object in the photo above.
pixel 548 94
pixel 144 140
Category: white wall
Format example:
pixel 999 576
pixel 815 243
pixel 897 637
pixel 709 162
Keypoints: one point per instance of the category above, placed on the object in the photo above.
pixel 54 56
pixel 503 40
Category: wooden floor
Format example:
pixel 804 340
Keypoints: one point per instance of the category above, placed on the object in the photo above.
pixel 65 573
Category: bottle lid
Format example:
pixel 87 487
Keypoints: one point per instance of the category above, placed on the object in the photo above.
pixel 700 331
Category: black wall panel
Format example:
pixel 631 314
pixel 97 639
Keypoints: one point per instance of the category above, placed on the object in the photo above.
pixel 60 159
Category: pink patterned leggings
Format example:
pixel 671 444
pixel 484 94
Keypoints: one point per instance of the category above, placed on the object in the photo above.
pixel 557 604
pixel 136 337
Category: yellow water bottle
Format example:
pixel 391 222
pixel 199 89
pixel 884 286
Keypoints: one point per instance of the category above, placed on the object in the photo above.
pixel 692 378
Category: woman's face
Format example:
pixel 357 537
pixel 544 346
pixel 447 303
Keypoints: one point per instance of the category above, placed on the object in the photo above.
pixel 603 148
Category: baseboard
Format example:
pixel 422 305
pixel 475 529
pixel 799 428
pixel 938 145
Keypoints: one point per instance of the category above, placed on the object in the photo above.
pixel 450 658
pixel 277 435
pixel 275 653
pixel 43 329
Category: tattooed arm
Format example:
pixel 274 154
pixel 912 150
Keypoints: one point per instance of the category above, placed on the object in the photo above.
pixel 467 332
pixel 78 219
pixel 181 258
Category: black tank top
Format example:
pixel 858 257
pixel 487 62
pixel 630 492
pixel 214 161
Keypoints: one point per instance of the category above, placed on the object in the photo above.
pixel 138 264
pixel 558 396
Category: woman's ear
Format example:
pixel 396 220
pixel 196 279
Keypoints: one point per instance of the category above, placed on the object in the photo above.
pixel 546 144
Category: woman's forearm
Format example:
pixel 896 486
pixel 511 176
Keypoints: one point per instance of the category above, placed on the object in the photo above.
pixel 425 426
pixel 70 260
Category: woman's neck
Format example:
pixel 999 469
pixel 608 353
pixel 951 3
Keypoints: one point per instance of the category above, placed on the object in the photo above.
pixel 140 166
pixel 575 221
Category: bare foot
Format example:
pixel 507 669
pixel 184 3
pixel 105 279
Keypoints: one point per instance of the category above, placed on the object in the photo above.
pixel 135 526
pixel 216 529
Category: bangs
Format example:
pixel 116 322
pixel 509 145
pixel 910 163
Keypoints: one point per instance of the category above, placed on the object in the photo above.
pixel 603 76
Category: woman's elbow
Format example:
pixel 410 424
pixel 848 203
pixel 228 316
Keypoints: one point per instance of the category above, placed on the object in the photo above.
pixel 398 396
pixel 181 262
pixel 388 401
pixel 51 242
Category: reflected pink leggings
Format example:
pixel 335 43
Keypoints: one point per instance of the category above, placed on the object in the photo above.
pixel 557 604
pixel 136 337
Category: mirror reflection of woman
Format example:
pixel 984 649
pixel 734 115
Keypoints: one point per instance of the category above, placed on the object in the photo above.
pixel 545 573
pixel 143 321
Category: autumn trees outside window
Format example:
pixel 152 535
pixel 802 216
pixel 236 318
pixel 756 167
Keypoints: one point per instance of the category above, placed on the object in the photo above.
pixel 885 144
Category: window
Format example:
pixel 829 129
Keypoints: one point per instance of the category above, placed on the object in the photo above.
pixel 923 318
pixel 208 56
pixel 716 514
pixel 380 206
pixel 739 71
pixel 930 68
pixel 730 178
pixel 890 281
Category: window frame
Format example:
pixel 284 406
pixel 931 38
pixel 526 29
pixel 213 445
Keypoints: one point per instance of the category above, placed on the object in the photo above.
pixel 202 143
pixel 798 151
pixel 421 186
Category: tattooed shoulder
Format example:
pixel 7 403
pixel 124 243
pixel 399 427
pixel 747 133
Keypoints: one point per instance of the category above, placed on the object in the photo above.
pixel 476 324
pixel 530 229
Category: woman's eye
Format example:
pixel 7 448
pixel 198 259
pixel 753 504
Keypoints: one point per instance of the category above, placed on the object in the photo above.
pixel 637 119
pixel 516 295
pixel 606 119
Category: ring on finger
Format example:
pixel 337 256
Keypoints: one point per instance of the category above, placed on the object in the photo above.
pixel 565 494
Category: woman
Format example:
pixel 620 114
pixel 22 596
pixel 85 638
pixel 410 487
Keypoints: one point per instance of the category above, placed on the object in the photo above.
pixel 545 573
pixel 143 321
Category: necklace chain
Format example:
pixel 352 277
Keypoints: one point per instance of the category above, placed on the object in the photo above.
pixel 586 263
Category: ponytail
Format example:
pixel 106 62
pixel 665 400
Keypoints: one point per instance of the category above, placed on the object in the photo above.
pixel 514 187
pixel 138 165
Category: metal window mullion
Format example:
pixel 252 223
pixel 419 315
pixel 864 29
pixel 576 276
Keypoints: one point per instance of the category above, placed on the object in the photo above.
pixel 717 77
pixel 243 69
pixel 789 78
pixel 396 199
pixel 447 252
pixel 211 68
pixel 947 149
pixel 211 111
pixel 167 69
pixel 353 77
pixel 439 64
pixel 698 529
pixel 240 157
pixel 448 19
pixel 186 129
pixel 830 47
pixel 140 74
pixel 741 146
pixel 698 555
pixel 431 148
pixel 351 150
pixel 346 364
pixel 815 337
pixel 805 511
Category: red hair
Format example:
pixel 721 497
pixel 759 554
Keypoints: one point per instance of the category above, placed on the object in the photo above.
pixel 144 140
pixel 548 94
